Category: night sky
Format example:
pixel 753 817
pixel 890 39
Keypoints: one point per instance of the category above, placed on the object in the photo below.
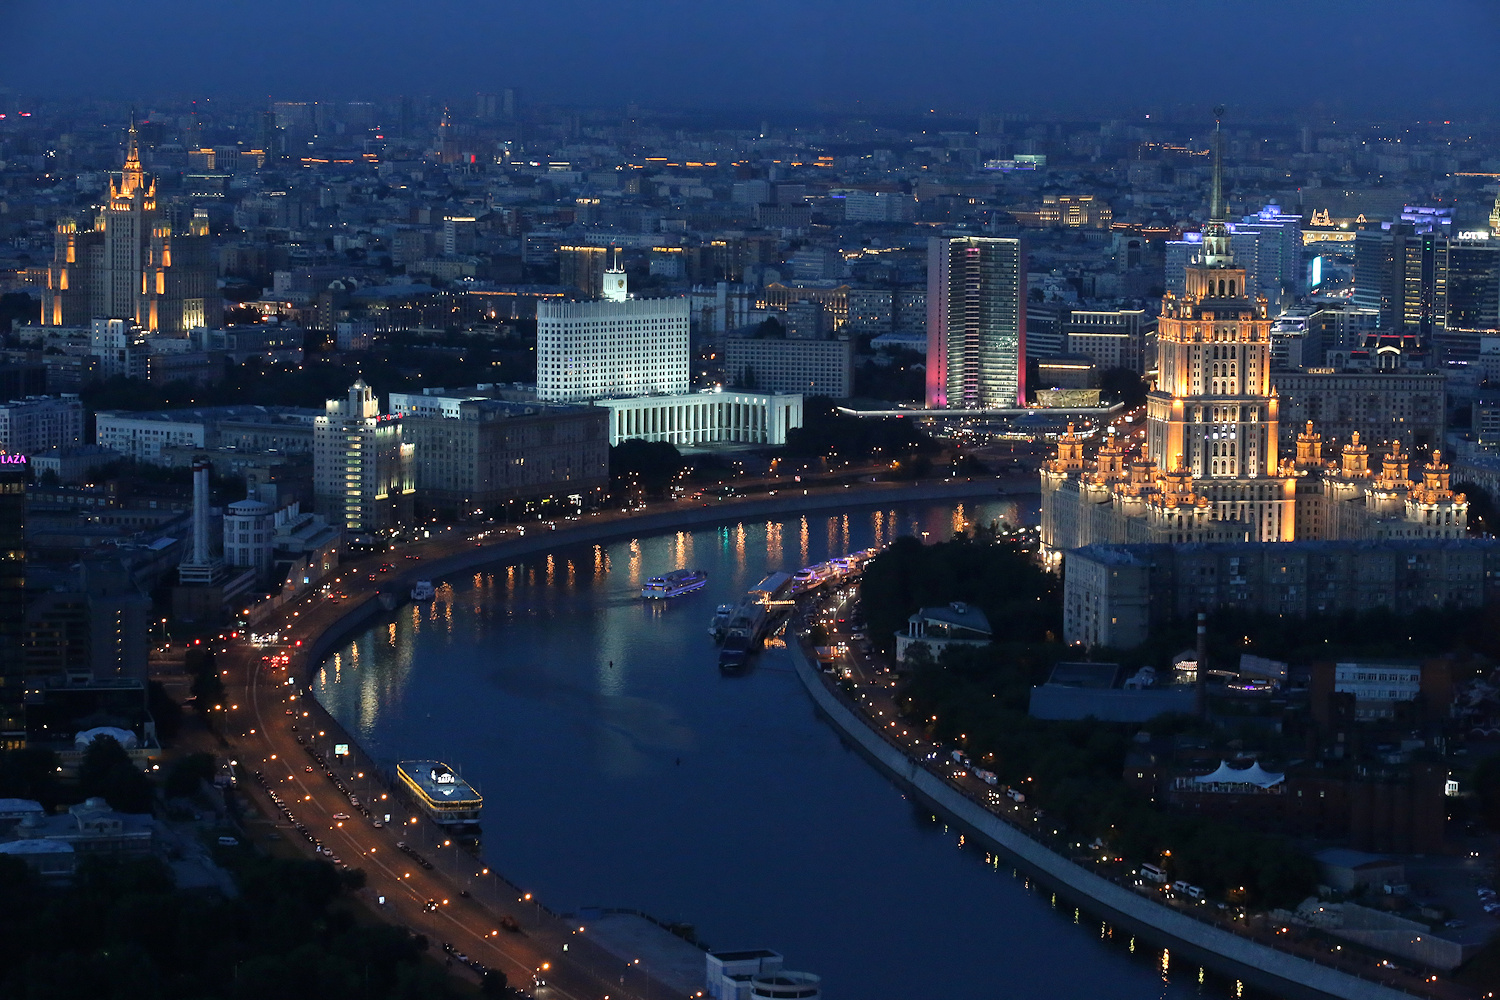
pixel 1426 59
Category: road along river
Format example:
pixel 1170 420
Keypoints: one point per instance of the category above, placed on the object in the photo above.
pixel 620 768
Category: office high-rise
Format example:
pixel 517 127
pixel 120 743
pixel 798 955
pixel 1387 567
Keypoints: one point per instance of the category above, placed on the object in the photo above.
pixel 1474 285
pixel 1420 272
pixel 1373 288
pixel 1277 271
pixel 976 323
pixel 582 267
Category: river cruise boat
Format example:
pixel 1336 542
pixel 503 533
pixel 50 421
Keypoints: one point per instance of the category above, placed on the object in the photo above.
pixel 811 577
pixel 674 584
pixel 438 791
pixel 423 591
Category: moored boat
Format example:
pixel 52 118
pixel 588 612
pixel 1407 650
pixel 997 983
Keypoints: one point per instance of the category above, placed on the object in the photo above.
pixel 438 791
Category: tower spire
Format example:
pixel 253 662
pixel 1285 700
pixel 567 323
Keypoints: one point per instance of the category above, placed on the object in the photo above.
pixel 1216 200
pixel 132 142
pixel 1216 251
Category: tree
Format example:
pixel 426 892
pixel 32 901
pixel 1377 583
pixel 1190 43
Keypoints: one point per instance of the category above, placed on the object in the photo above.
pixel 208 686
pixel 29 773
pixel 1486 785
pixel 187 774
pixel 647 465
pixel 1483 513
pixel 107 772
pixel 494 984
pixel 1121 385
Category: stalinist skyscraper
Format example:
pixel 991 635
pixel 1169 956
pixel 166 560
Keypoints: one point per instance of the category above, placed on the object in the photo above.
pixel 1212 412
pixel 1208 469
pixel 130 264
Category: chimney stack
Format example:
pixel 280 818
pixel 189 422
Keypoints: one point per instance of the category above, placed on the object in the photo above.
pixel 200 513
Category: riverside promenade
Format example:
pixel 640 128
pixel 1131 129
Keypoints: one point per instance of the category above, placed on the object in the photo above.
pixel 269 715
pixel 1205 942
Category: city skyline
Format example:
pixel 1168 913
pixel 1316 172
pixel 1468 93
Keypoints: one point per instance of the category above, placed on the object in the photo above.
pixel 1110 59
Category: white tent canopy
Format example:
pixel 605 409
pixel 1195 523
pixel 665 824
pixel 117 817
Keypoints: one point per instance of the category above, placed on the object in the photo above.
pixel 1252 775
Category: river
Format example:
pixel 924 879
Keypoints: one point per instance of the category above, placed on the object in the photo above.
pixel 620 768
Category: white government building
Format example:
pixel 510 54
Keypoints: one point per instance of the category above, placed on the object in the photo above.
pixel 700 419
pixel 616 347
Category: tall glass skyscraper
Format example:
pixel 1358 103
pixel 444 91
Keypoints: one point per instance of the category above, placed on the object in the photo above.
pixel 976 323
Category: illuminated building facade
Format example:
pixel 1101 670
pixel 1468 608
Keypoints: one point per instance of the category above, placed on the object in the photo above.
pixel 363 468
pixel 976 323
pixel 1209 468
pixel 615 347
pixel 131 265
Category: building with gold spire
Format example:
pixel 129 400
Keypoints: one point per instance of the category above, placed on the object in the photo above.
pixel 131 264
pixel 1209 469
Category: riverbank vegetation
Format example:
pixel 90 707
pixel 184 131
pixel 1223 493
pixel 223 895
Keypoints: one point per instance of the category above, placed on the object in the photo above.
pixel 977 698
pixel 123 930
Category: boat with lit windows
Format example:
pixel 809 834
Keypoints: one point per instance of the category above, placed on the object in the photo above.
pixel 438 791
pixel 674 584
pixel 423 591
pixel 809 578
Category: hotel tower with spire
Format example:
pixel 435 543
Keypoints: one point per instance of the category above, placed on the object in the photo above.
pixel 1207 468
pixel 131 264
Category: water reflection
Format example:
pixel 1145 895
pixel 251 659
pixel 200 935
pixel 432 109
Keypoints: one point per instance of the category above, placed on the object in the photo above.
pixel 625 770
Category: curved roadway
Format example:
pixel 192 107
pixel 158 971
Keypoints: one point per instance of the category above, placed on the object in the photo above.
pixel 269 706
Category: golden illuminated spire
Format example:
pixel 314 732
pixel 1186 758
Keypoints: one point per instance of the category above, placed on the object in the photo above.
pixel 133 177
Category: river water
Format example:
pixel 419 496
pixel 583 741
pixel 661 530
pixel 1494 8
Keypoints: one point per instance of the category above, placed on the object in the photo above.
pixel 620 768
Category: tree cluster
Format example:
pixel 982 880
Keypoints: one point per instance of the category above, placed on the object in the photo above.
pixel 643 469
pixel 978 698
pixel 1022 602
pixel 123 931
pixel 825 431
pixel 1074 770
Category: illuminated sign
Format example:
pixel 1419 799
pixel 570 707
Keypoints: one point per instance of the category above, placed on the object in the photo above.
pixel 443 777
pixel 341 749
pixel 12 459
pixel 1317 271
pixel 1474 234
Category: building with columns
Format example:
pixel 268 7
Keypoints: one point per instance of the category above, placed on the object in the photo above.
pixel 1209 468
pixel 131 265
pixel 704 419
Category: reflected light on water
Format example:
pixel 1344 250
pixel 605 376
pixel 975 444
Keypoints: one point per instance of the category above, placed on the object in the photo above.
pixel 589 674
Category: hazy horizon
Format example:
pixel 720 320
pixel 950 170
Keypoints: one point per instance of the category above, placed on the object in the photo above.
pixel 1367 60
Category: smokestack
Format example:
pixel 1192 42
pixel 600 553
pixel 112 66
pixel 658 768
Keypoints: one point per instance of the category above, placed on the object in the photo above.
pixel 200 513
pixel 1200 697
